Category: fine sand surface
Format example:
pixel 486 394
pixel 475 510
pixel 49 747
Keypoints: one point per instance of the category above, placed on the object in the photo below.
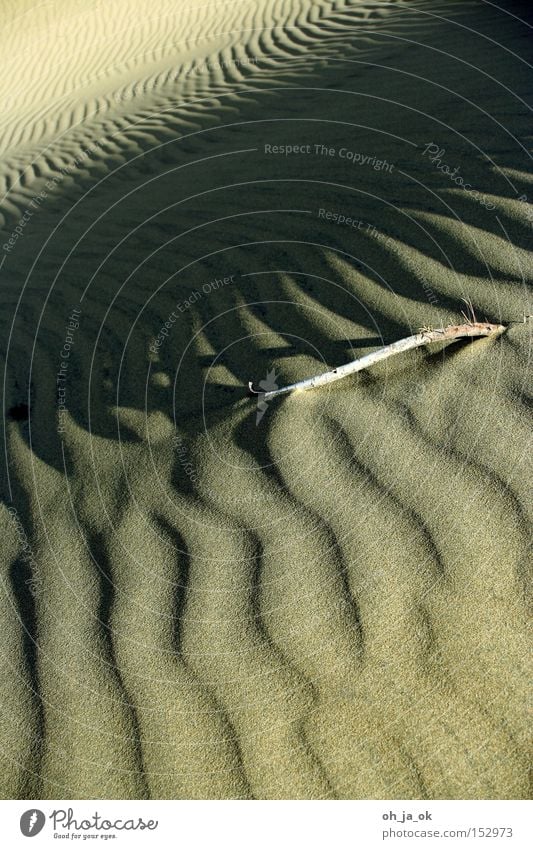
pixel 330 602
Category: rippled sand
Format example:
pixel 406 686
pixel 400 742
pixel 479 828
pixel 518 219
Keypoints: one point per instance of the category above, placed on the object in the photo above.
pixel 330 602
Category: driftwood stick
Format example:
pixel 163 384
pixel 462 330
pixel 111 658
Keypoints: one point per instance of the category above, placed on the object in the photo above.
pixel 425 337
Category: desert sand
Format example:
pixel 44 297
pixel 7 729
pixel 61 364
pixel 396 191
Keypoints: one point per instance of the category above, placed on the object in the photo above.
pixel 326 598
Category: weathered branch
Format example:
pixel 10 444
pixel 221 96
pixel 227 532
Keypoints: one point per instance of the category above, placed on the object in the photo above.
pixel 425 337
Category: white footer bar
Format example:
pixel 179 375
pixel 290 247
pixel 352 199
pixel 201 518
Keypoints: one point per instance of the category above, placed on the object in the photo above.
pixel 258 825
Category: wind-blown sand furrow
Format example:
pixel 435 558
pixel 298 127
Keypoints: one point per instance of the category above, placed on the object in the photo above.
pixel 21 716
pixel 448 485
pixel 365 548
pixel 443 418
pixel 344 685
pixel 74 703
pixel 491 457
pixel 383 609
pixel 186 742
pixel 493 578
pixel 244 670
pixel 296 603
pixel 494 256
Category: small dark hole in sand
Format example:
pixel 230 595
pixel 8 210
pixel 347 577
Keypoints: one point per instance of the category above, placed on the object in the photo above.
pixel 19 413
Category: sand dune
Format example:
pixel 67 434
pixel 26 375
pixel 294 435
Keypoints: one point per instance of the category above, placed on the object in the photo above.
pixel 332 602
